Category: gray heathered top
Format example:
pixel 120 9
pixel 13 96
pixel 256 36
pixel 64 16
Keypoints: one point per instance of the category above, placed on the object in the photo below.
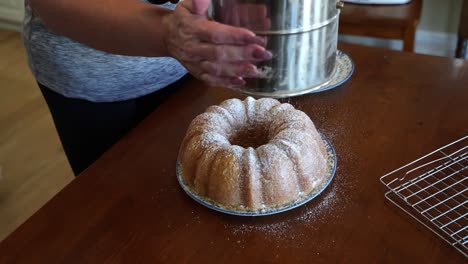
pixel 78 71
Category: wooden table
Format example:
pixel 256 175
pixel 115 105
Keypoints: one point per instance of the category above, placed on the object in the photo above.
pixel 382 21
pixel 128 207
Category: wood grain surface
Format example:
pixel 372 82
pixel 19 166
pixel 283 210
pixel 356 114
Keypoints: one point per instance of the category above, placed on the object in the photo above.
pixel 129 208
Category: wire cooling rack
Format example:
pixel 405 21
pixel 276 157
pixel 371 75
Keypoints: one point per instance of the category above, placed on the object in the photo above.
pixel 433 190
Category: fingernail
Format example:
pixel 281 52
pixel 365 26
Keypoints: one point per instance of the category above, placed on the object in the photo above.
pixel 255 40
pixel 237 81
pixel 262 55
pixel 250 71
pixel 259 40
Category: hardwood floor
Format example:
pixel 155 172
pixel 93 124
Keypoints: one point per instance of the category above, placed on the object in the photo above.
pixel 33 166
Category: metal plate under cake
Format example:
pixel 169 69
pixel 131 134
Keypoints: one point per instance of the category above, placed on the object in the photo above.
pixel 331 169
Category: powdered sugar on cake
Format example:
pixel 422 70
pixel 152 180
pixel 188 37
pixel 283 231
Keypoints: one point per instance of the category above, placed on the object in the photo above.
pixel 282 173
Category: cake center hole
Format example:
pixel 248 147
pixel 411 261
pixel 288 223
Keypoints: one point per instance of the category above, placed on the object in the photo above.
pixel 252 137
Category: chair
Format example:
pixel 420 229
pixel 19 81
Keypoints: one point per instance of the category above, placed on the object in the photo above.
pixel 382 21
pixel 463 33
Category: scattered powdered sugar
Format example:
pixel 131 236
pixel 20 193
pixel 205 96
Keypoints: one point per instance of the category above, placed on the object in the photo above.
pixel 207 139
pixel 298 226
pixel 324 209
pixel 328 208
pixel 236 108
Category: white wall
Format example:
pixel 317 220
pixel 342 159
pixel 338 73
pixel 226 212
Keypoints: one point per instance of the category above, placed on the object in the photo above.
pixel 441 15
pixel 11 14
pixel 436 33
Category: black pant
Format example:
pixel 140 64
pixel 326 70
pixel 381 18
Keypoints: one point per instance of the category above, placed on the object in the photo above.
pixel 87 129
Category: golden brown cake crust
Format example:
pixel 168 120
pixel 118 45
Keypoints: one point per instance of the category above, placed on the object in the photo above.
pixel 252 155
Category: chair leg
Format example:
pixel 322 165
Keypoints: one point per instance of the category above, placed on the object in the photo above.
pixel 408 39
pixel 462 47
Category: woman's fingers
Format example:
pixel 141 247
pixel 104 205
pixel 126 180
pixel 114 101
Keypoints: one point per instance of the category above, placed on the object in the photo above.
pixel 223 74
pixel 214 32
pixel 226 53
pixel 215 53
pixel 247 70
pixel 217 33
pixel 197 7
pixel 214 80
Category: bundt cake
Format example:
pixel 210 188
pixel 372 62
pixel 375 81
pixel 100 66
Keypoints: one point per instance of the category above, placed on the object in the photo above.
pixel 252 155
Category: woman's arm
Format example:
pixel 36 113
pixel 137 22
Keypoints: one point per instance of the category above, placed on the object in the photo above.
pixel 127 27
pixel 216 53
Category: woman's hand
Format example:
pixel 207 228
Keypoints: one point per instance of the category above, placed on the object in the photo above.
pixel 215 53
